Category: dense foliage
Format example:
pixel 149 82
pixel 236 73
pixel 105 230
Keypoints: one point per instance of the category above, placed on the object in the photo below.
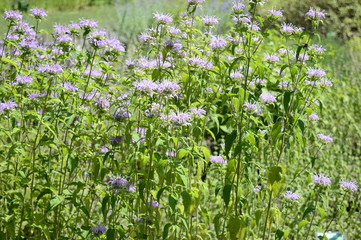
pixel 198 136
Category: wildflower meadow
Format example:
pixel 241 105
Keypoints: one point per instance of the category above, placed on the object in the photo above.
pixel 198 134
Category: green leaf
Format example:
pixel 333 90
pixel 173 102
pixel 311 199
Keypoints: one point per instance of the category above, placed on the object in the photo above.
pixel 308 210
pixel 276 178
pixel 229 141
pixel 166 230
pixel 301 124
pixel 227 194
pixel 299 48
pixel 56 201
pixel 237 227
pixel 286 100
pixel 301 224
pixel 187 201
pixel 279 234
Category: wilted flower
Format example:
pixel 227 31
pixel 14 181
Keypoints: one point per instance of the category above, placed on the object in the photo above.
pixel 218 159
pixel 267 97
pixel 293 197
pixel 320 179
pixel 99 229
pixel 349 185
pixel 195 2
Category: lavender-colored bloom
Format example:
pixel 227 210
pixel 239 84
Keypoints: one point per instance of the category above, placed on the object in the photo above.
pixel 21 79
pixel 349 185
pixel 238 7
pixel 145 37
pixel 250 107
pixel 145 85
pixel 325 138
pixel 315 15
pixel 74 27
pixel 69 86
pixel 271 58
pixel 34 95
pixel 257 188
pixel 316 72
pixel 217 42
pixel 325 82
pixel 98 229
pixel 102 102
pixel 170 153
pixel 120 183
pixel 284 85
pixel 104 149
pixel 51 68
pixel 155 204
pixel 275 13
pixel 64 39
pixel 267 97
pixel 154 110
pixel 288 28
pixel 168 87
pixel 301 57
pixel 236 75
pixel 282 51
pixel 163 19
pixel 314 117
pixel 94 73
pixel 13 15
pixel 197 112
pixel 254 27
pixel 115 45
pixel 28 43
pixel 60 29
pixel 38 13
pixel 87 24
pixel 200 63
pixel 317 48
pixel 209 20
pixel 293 197
pixel 320 179
pixel 174 31
pixel 240 19
pixel 7 106
pixel 218 159
pixel 179 118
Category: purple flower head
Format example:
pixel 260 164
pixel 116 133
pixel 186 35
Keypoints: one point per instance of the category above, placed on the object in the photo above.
pixel 21 79
pixel 120 183
pixel 314 117
pixel 291 196
pixel 163 19
pixel 168 87
pixel 236 75
pixel 170 153
pixel 7 106
pixel 38 13
pixel 102 103
pixel 87 24
pixel 51 68
pixel 320 179
pixel 317 48
pixel 254 27
pixel 145 37
pixel 313 14
pixel 218 159
pixel 200 63
pixel 98 229
pixel 104 149
pixel 155 204
pixel 250 107
pixel 275 14
pixel 174 31
pixel 34 95
pixel 147 86
pixel 349 185
pixel 64 39
pixel 74 28
pixel 122 114
pixel 284 85
pixel 316 73
pixel 197 112
pixel 60 29
pixel 267 97
pixel 209 20
pixel 287 28
pixel 257 188
pixel 179 118
pixel 13 15
pixel 115 46
pixel 325 138
pixel 271 58
pixel 69 86
pixel 238 7
pixel 217 42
